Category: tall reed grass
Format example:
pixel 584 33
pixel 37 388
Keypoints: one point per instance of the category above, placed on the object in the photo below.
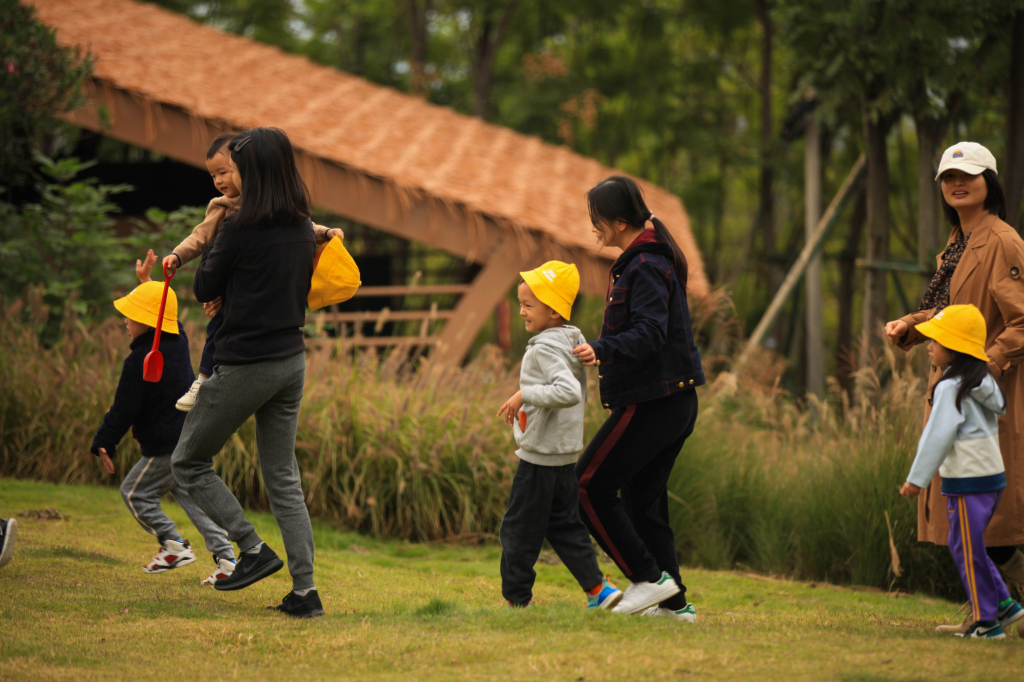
pixel 765 483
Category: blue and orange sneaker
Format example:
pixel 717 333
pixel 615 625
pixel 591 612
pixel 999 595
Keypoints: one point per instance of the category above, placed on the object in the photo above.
pixel 608 597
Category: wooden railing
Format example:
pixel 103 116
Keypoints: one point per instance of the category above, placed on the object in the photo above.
pixel 381 317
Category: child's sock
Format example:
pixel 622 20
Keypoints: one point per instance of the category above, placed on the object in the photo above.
pixel 255 550
pixel 1006 602
pixel 595 590
pixel 303 593
pixel 201 378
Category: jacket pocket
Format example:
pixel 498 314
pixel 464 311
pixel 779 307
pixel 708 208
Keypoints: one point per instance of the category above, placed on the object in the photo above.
pixel 615 313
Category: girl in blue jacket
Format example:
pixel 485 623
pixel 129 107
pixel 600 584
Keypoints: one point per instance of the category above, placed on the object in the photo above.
pixel 960 442
pixel 648 369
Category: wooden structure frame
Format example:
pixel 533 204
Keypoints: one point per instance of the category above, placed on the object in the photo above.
pixel 369 154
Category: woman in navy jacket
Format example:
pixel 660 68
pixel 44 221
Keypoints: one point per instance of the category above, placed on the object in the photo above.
pixel 648 368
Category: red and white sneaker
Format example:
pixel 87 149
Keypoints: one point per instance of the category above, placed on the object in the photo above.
pixel 225 567
pixel 172 554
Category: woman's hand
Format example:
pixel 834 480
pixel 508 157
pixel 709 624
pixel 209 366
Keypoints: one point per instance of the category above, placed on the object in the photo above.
pixel 511 407
pixel 896 330
pixel 909 489
pixel 335 232
pixel 211 308
pixel 585 353
pixel 172 263
pixel 108 465
pixel 143 268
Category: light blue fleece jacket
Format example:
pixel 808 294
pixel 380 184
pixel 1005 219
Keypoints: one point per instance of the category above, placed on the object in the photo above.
pixel 554 386
pixel 963 447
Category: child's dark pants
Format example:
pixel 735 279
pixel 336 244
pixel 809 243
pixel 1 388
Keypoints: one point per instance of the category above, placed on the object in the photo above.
pixel 543 503
pixel 634 452
pixel 206 362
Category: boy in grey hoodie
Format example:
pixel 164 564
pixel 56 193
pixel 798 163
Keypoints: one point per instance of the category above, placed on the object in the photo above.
pixel 547 418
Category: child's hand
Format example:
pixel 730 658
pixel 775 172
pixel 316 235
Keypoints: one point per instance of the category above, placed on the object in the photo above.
pixel 335 232
pixel 108 466
pixel 585 353
pixel 212 307
pixel 895 330
pixel 143 268
pixel 511 407
pixel 910 490
pixel 171 263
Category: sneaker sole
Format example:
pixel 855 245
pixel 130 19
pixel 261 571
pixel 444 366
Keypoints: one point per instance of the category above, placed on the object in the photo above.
pixel 671 590
pixel 315 613
pixel 183 408
pixel 268 570
pixel 164 569
pixel 8 549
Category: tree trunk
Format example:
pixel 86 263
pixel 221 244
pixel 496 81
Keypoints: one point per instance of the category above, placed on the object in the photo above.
pixel 930 132
pixel 1014 164
pixel 418 42
pixel 875 312
pixel 814 346
pixel 845 361
pixel 764 221
pixel 490 39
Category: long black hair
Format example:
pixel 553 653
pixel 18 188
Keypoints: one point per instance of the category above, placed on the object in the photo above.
pixel 620 198
pixel 972 371
pixel 995 202
pixel 273 193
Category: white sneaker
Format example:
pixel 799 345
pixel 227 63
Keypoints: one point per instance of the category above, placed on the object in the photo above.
pixel 687 614
pixel 640 596
pixel 188 401
pixel 172 554
pixel 225 567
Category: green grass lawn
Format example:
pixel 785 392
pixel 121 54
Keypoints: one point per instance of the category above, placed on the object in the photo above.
pixel 75 605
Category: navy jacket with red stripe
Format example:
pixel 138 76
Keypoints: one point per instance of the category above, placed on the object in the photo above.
pixel 646 349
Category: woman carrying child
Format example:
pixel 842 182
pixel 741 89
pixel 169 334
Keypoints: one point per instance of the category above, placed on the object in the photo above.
pixel 982 265
pixel 648 369
pixel 260 265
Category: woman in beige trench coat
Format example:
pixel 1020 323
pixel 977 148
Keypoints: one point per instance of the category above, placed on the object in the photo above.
pixel 982 264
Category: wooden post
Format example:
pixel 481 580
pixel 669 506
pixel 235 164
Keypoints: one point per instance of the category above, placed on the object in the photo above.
pixel 487 291
pixel 811 248
pixel 815 337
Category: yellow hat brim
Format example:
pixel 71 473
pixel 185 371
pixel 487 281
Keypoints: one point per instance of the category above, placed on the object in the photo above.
pixel 952 341
pixel 133 311
pixel 335 276
pixel 546 294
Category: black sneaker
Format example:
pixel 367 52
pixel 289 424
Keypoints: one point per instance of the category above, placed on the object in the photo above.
pixel 300 607
pixel 250 569
pixel 8 533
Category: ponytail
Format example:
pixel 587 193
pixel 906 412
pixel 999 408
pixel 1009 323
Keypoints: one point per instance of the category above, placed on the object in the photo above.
pixel 620 198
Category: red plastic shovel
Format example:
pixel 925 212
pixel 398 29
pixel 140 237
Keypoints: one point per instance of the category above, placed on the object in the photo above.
pixel 153 365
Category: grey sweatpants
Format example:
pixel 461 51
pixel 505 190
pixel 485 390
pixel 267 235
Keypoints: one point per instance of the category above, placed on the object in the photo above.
pixel 272 391
pixel 148 481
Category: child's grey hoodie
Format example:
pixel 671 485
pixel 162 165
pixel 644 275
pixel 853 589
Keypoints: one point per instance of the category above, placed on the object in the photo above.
pixel 554 386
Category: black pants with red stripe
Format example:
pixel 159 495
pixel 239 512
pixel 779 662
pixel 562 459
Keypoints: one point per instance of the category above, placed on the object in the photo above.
pixel 623 477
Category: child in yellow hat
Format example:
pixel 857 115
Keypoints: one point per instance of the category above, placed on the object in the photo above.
pixel 148 410
pixel 547 419
pixel 961 443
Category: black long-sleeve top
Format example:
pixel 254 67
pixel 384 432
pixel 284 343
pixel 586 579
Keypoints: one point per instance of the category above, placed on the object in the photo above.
pixel 148 408
pixel 262 276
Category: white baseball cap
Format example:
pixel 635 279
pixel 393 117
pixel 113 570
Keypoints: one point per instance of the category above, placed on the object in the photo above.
pixel 970 157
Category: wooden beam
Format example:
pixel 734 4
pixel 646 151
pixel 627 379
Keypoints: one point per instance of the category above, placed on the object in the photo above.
pixel 490 286
pixel 811 248
pixel 425 290
pixel 368 316
pixel 376 341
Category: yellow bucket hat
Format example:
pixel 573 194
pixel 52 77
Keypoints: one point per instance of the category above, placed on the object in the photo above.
pixel 143 305
pixel 335 276
pixel 960 328
pixel 555 284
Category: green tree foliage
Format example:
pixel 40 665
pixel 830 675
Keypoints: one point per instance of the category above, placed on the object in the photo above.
pixel 39 80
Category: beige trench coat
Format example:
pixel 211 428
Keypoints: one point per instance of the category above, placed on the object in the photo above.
pixel 990 275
